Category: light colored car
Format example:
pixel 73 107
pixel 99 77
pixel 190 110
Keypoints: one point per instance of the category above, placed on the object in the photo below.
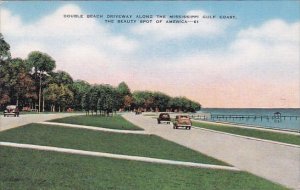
pixel 11 110
pixel 182 121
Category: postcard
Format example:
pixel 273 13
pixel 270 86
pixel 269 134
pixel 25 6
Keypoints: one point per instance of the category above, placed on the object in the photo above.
pixel 149 95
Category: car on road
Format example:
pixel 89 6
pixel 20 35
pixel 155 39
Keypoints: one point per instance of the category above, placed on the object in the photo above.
pixel 11 110
pixel 182 121
pixel 164 117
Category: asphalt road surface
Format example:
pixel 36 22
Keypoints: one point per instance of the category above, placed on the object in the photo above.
pixel 276 162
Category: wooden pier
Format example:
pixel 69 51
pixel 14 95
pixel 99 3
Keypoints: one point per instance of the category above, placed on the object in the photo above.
pixel 281 117
pixel 241 117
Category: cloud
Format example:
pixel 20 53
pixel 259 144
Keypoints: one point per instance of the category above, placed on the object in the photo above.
pixel 164 31
pixel 258 68
pixel 85 48
pixel 273 31
pixel 254 52
pixel 54 33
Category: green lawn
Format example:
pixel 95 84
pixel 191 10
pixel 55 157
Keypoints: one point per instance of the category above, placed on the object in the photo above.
pixel 114 122
pixel 31 169
pixel 128 144
pixel 280 137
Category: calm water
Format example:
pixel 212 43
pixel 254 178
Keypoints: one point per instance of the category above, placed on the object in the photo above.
pixel 287 123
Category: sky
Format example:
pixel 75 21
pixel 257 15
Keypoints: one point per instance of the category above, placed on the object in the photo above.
pixel 251 61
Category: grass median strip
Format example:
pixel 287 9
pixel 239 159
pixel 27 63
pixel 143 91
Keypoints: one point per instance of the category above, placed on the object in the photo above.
pixel 117 156
pixel 114 122
pixel 279 137
pixel 25 169
pixel 126 144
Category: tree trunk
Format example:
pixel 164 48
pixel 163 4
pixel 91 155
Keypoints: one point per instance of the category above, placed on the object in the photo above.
pixel 17 101
pixel 43 104
pixel 40 92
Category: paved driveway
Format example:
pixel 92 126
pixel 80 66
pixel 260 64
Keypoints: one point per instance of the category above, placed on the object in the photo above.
pixel 276 162
pixel 11 122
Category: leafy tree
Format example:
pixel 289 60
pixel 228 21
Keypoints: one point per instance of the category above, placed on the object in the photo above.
pixel 85 101
pixel 18 85
pixel 4 78
pixel 58 95
pixel 194 106
pixel 79 89
pixel 161 101
pixel 61 78
pixel 51 94
pixel 184 104
pixel 65 97
pixel 21 83
pixel 138 99
pixel 123 89
pixel 128 101
pixel 100 98
pixel 41 64
pixel 93 99
pixel 4 49
pixel 107 101
pixel 122 92
pixel 143 99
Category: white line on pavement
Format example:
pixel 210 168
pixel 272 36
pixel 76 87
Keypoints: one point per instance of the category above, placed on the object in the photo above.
pixel 94 128
pixel 117 156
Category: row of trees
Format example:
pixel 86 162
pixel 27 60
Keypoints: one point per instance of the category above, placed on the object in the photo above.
pixel 33 83
pixel 105 99
pixel 157 101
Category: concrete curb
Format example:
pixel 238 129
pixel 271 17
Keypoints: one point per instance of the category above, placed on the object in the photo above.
pixel 94 128
pixel 259 128
pixel 117 156
pixel 246 137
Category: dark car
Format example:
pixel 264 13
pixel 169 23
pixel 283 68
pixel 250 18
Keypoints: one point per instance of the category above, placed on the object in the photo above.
pixel 182 121
pixel 11 110
pixel 164 117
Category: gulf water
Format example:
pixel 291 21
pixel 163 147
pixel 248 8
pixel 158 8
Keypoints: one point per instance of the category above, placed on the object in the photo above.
pixel 271 122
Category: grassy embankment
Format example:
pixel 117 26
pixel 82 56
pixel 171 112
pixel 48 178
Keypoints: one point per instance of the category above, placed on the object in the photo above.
pixel 25 169
pixel 268 135
pixel 114 122
pixel 28 169
pixel 128 144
